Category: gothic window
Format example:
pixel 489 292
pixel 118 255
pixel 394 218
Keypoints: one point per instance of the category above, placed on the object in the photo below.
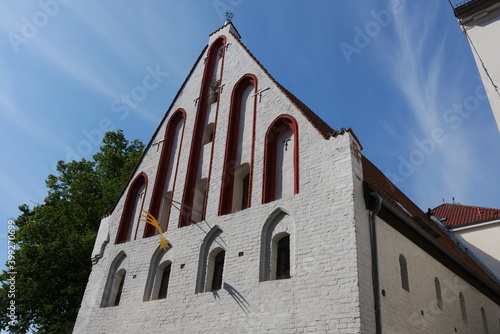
pixel 163 278
pixel 276 247
pixel 211 262
pixel 130 220
pixel 463 309
pixel 485 321
pixel 439 296
pixel 157 282
pixel 199 202
pixel 282 257
pixel 241 191
pixel 214 92
pixel 116 293
pixel 215 269
pixel 200 158
pixel 236 177
pixel 113 289
pixel 281 160
pixel 166 175
pixel 404 273
pixel 208 134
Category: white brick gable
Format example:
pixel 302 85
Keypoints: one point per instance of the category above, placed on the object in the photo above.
pixel 324 214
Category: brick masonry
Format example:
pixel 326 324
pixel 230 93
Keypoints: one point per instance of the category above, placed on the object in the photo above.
pixel 330 290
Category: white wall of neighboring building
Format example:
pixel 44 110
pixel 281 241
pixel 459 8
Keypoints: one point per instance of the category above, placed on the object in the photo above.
pixel 484 241
pixel 483 32
pixel 417 310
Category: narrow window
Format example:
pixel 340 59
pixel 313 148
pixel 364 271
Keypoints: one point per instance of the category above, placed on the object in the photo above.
pixel 245 188
pixel 121 281
pixel 206 111
pixel 404 273
pixel 218 269
pixel 199 202
pixel 166 203
pixel 277 251
pixel 165 277
pixel 281 160
pixel 166 173
pixel 485 321
pixel 213 92
pixel 239 154
pixel 129 222
pixel 463 309
pixel 439 297
pixel 283 258
pixel 115 281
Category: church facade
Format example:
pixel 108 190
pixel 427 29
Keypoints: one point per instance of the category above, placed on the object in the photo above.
pixel 275 222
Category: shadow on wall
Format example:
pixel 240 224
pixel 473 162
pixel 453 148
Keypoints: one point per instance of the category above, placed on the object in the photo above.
pixel 492 263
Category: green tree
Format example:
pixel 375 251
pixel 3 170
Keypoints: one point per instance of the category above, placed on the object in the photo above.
pixel 55 239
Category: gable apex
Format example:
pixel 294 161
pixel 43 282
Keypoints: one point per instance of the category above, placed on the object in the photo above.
pixel 227 28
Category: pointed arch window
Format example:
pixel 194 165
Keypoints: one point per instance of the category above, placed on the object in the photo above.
pixel 439 296
pixel 113 289
pixel 166 175
pixel 403 267
pixel 200 159
pixel 200 200
pixel 211 262
pixel 163 279
pixel 134 202
pixel 282 251
pixel 276 247
pixel 281 159
pixel 485 321
pixel 463 308
pixel 237 169
pixel 215 269
pixel 118 287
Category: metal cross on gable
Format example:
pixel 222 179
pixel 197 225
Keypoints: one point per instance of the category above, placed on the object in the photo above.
pixel 260 91
pixel 229 15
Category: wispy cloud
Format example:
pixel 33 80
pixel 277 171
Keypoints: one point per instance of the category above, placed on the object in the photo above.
pixel 418 69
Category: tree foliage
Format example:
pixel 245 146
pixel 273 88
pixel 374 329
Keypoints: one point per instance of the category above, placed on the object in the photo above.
pixel 54 240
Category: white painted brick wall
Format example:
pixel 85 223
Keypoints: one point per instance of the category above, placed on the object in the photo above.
pixel 402 310
pixel 323 294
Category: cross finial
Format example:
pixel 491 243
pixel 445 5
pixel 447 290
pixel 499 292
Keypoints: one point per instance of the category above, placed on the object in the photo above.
pixel 229 15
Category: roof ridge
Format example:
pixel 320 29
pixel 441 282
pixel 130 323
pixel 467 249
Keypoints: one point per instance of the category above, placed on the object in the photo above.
pixel 466 206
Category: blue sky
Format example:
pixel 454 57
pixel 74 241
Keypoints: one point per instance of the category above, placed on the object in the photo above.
pixel 400 73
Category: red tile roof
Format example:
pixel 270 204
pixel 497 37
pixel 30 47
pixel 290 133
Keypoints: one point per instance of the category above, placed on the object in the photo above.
pixel 458 214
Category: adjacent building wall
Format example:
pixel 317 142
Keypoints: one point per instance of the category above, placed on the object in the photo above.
pixel 483 240
pixel 482 27
pixel 418 310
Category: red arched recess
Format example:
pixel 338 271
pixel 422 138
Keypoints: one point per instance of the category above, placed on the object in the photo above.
pixel 164 165
pixel 280 124
pixel 128 209
pixel 201 116
pixel 232 141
